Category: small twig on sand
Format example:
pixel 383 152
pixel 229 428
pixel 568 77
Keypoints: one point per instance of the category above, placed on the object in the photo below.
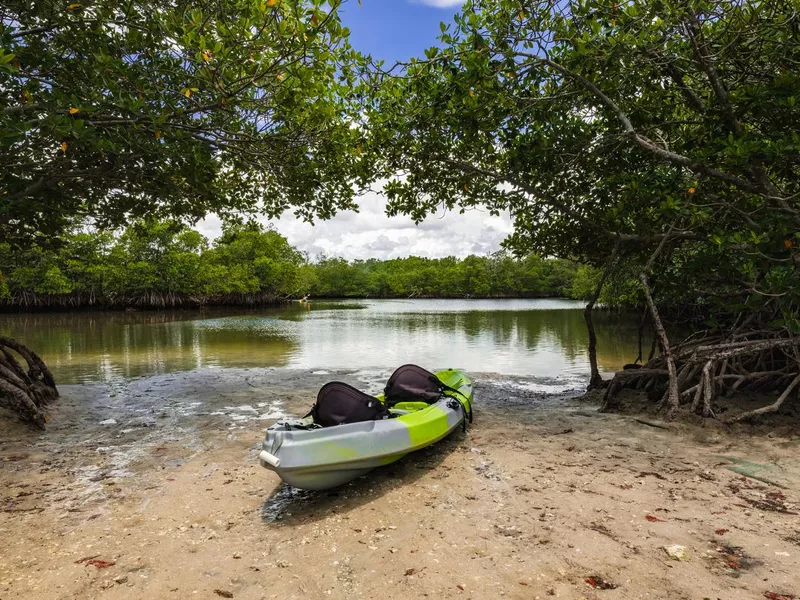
pixel 652 424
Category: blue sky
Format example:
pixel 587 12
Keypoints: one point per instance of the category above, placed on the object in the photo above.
pixel 393 30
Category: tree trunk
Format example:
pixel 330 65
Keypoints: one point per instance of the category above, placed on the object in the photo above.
pixel 673 397
pixel 25 392
pixel 596 381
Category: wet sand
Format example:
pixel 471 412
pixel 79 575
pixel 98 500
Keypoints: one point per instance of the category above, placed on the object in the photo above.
pixel 542 497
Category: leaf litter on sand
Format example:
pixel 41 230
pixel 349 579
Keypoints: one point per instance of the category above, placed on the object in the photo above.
pixel 735 558
pixel 771 505
pixel 775 596
pixel 599 583
pixel 652 474
pixel 794 538
pixel 95 562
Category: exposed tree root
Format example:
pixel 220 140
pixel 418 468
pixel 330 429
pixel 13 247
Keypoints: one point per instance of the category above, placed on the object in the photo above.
pixel 771 407
pixel 148 299
pixel 26 392
pixel 707 368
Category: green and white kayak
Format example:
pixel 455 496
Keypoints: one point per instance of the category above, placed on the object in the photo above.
pixel 318 458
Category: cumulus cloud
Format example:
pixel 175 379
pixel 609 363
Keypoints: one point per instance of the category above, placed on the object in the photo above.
pixel 369 233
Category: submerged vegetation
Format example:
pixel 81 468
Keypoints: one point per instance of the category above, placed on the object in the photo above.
pixel 157 264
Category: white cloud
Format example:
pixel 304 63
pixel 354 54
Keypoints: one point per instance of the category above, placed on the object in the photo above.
pixel 439 3
pixel 369 233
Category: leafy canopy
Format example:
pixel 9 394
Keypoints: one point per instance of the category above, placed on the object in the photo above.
pixel 119 110
pixel 603 124
pixel 155 263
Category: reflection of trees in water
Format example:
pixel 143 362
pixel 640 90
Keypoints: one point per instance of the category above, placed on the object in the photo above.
pixel 562 331
pixel 617 338
pixel 10 321
pixel 98 345
pixel 84 346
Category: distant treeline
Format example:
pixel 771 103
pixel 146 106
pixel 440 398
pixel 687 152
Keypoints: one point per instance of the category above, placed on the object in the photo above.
pixel 158 264
pixel 496 276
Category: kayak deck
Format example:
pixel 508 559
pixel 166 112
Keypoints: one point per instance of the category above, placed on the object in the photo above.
pixel 321 458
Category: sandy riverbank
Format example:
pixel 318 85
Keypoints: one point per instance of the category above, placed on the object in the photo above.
pixel 159 476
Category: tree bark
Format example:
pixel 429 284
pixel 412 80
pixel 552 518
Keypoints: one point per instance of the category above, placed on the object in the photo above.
pixel 595 380
pixel 26 393
pixel 673 397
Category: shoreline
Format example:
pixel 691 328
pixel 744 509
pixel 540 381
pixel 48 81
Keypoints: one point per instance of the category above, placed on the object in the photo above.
pixel 68 304
pixel 159 475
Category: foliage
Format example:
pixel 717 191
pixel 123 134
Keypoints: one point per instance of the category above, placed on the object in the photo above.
pixel 602 124
pixel 156 263
pixel 164 262
pixel 249 254
pixel 475 276
pixel 115 111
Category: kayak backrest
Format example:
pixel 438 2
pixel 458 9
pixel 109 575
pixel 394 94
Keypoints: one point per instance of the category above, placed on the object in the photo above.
pixel 339 403
pixel 411 383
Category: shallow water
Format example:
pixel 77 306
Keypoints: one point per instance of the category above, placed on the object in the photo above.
pixel 543 338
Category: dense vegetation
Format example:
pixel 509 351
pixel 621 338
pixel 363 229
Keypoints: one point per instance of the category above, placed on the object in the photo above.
pixel 163 263
pixel 497 276
pixel 659 141
pixel 152 264
pixel 115 110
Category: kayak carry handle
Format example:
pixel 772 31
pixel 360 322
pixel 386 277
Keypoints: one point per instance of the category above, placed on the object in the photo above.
pixel 270 459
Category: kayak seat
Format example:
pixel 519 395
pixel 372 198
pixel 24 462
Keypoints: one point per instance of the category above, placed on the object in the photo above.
pixel 411 383
pixel 339 403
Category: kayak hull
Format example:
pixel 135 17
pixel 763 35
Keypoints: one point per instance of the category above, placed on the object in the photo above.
pixel 319 459
pixel 316 478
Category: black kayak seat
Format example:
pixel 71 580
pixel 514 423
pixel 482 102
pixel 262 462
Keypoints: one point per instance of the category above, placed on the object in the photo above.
pixel 339 403
pixel 411 383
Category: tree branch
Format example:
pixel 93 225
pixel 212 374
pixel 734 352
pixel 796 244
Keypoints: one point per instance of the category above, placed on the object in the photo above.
pixel 643 141
pixel 771 408
pixel 564 208
pixel 31 31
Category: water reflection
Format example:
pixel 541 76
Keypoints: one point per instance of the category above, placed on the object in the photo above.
pixel 545 338
pixel 95 346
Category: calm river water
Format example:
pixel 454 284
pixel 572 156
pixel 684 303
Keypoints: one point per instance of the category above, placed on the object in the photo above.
pixel 541 338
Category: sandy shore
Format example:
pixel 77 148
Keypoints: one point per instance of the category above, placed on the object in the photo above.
pixel 543 497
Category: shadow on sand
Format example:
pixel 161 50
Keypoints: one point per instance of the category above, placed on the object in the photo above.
pixel 287 505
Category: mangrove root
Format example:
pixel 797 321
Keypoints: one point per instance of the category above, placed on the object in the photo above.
pixel 26 392
pixel 705 369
